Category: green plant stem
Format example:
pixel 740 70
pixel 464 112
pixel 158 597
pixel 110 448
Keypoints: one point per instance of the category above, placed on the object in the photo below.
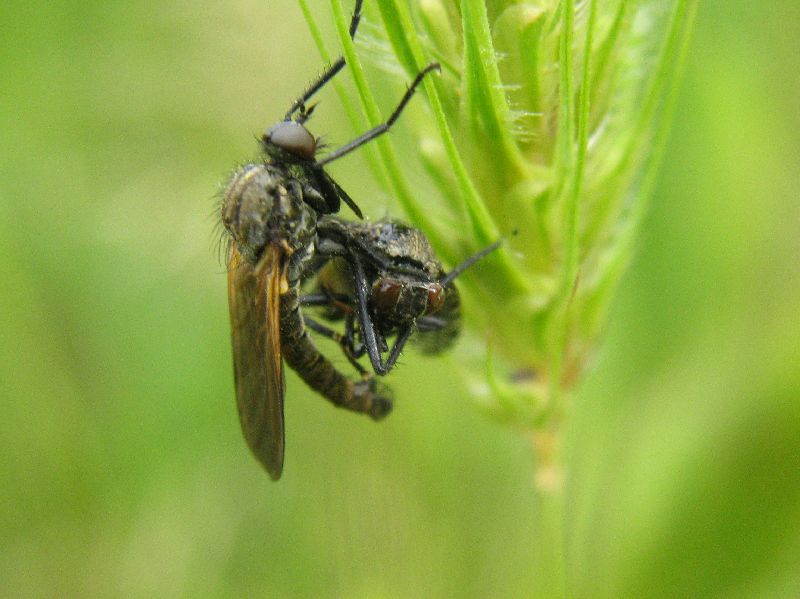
pixel 550 567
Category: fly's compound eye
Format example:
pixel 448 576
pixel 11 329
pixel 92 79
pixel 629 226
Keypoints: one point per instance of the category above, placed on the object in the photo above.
pixel 385 293
pixel 293 138
pixel 435 298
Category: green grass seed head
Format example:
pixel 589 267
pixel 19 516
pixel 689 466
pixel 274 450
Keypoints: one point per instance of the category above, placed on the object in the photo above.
pixel 543 130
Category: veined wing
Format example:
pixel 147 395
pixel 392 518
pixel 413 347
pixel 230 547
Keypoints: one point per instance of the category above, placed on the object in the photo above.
pixel 254 300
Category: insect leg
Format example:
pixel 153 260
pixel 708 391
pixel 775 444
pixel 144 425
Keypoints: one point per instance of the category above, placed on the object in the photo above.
pixel 320 328
pixel 399 344
pixel 368 332
pixel 347 341
pixel 326 75
pixel 324 299
pixel 316 299
pixel 426 324
pixel 448 278
pixel 344 196
pixel 403 336
pixel 350 337
pixel 359 349
pixel 341 340
pixel 384 127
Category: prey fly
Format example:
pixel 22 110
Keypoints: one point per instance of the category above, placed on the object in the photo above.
pixel 385 281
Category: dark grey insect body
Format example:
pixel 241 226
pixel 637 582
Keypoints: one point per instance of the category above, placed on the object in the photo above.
pixel 271 211
pixel 402 274
pixel 273 239
pixel 386 281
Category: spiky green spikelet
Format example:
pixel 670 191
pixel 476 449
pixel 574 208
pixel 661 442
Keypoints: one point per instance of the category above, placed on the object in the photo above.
pixel 543 130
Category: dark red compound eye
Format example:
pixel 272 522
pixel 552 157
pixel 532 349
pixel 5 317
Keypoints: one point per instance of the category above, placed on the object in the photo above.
pixel 292 137
pixel 435 298
pixel 385 293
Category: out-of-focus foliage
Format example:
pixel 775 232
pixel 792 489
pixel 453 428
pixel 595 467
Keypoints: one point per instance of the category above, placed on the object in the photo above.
pixel 123 471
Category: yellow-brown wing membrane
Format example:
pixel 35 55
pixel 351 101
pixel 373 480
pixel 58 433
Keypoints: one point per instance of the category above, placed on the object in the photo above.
pixel 254 298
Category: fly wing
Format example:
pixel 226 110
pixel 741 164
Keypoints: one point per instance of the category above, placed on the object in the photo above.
pixel 254 299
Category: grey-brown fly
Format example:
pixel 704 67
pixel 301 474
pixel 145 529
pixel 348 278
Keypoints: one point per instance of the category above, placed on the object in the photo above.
pixel 385 281
pixel 270 211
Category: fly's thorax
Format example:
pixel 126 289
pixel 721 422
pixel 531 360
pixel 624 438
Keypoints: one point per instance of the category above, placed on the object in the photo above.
pixel 264 204
pixel 402 244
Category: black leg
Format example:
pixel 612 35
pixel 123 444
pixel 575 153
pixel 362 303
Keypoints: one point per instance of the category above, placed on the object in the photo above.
pixel 399 343
pixel 321 329
pixel 329 300
pixel 326 181
pixel 383 128
pixel 374 342
pixel 342 303
pixel 368 333
pixel 328 74
pixel 315 299
pixel 341 341
pixel 358 349
pixel 350 337
pixel 426 324
pixel 448 278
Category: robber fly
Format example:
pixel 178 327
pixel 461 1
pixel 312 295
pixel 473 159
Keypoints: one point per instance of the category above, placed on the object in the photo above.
pixel 385 280
pixel 270 211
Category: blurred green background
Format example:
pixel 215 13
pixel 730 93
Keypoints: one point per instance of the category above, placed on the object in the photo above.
pixel 123 469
